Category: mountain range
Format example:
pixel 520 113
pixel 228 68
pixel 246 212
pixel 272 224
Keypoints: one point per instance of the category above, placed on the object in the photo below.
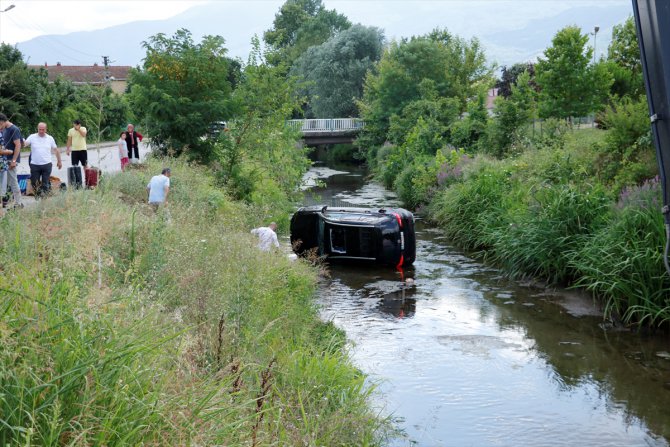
pixel 237 22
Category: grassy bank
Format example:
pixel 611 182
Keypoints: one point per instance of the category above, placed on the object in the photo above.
pixel 122 327
pixel 551 213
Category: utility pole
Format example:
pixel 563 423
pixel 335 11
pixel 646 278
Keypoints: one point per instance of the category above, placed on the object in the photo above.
pixel 595 35
pixel 105 61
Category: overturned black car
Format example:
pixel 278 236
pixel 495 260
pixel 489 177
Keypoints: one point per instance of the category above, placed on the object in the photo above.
pixel 381 236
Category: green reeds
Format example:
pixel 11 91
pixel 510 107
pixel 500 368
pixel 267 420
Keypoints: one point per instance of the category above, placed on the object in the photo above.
pixel 174 347
pixel 622 263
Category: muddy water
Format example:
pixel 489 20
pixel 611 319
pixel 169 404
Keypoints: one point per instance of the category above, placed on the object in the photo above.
pixel 467 358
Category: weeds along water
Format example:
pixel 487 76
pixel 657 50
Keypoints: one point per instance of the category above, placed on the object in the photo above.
pixel 119 326
pixel 547 214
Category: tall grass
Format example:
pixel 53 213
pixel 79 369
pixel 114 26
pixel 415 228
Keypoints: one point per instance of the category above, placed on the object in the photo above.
pixel 468 211
pixel 539 238
pixel 545 214
pixel 193 337
pixel 622 261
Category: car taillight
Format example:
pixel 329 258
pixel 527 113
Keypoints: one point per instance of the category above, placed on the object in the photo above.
pixel 397 216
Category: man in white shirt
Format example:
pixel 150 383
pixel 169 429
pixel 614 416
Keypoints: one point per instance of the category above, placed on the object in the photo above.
pixel 42 145
pixel 158 188
pixel 267 236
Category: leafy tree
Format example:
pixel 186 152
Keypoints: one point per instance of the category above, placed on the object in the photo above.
pixel 511 115
pixel 624 57
pixel 299 25
pixel 181 89
pixel 509 76
pixel 570 85
pixel 21 88
pixel 259 158
pixel 440 111
pixel 455 66
pixel 466 132
pixel 624 48
pixel 335 70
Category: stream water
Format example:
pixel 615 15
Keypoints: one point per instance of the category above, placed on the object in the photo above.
pixel 467 357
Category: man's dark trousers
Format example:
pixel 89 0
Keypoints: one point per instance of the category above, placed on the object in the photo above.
pixel 39 178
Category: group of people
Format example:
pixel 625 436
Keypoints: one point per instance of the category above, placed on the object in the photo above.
pixel 129 146
pixel 43 146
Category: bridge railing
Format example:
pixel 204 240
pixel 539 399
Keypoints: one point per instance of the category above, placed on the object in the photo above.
pixel 327 124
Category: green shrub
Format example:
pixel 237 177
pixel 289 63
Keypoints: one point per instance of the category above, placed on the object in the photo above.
pixel 628 154
pixel 622 261
pixel 391 160
pixel 469 210
pixel 417 182
pixel 538 239
pixel 342 153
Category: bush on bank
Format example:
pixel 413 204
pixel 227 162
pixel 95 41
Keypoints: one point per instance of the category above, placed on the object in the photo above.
pixel 122 327
pixel 546 214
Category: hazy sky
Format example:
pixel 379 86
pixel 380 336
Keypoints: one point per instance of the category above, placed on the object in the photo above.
pixel 399 18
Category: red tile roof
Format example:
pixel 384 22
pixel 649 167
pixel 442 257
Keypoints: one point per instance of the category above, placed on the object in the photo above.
pixel 89 74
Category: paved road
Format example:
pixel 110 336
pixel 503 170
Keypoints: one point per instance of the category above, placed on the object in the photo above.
pixel 106 157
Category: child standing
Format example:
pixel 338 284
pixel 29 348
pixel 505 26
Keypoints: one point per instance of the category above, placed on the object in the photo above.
pixel 123 151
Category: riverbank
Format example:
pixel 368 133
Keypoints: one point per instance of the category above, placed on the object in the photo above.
pixel 468 356
pixel 547 214
pixel 125 327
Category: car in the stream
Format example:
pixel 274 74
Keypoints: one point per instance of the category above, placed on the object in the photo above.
pixel 346 234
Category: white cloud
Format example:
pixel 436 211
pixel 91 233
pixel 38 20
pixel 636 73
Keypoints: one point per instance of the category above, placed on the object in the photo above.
pixel 32 18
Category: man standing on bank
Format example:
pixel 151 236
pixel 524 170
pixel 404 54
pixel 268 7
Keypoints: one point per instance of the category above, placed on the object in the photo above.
pixel 41 146
pixel 12 152
pixel 76 139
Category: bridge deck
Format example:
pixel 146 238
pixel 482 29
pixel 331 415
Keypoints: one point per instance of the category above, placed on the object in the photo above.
pixel 327 125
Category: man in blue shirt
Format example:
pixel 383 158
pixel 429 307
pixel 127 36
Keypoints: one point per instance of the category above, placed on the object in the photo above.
pixel 11 135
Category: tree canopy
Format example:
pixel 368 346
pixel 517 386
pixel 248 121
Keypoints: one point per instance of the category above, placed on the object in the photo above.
pixel 570 85
pixel 335 71
pixel 509 76
pixel 455 66
pixel 298 25
pixel 182 88
pixel 623 54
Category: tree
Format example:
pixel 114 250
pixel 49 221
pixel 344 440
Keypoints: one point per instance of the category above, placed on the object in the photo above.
pixel 624 57
pixel 570 85
pixel 259 158
pixel 511 114
pixel 335 70
pixel 21 88
pixel 439 111
pixel 456 68
pixel 181 89
pixel 466 132
pixel 299 25
pixel 509 76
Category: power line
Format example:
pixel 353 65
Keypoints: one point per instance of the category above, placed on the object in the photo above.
pixel 49 36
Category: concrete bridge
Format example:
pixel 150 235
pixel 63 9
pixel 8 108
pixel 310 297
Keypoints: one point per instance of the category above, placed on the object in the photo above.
pixel 328 130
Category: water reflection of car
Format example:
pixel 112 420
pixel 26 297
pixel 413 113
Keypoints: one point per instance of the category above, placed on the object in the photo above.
pixel 399 303
pixel 379 236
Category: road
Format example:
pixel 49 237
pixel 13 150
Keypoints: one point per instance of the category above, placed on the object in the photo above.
pixel 104 157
